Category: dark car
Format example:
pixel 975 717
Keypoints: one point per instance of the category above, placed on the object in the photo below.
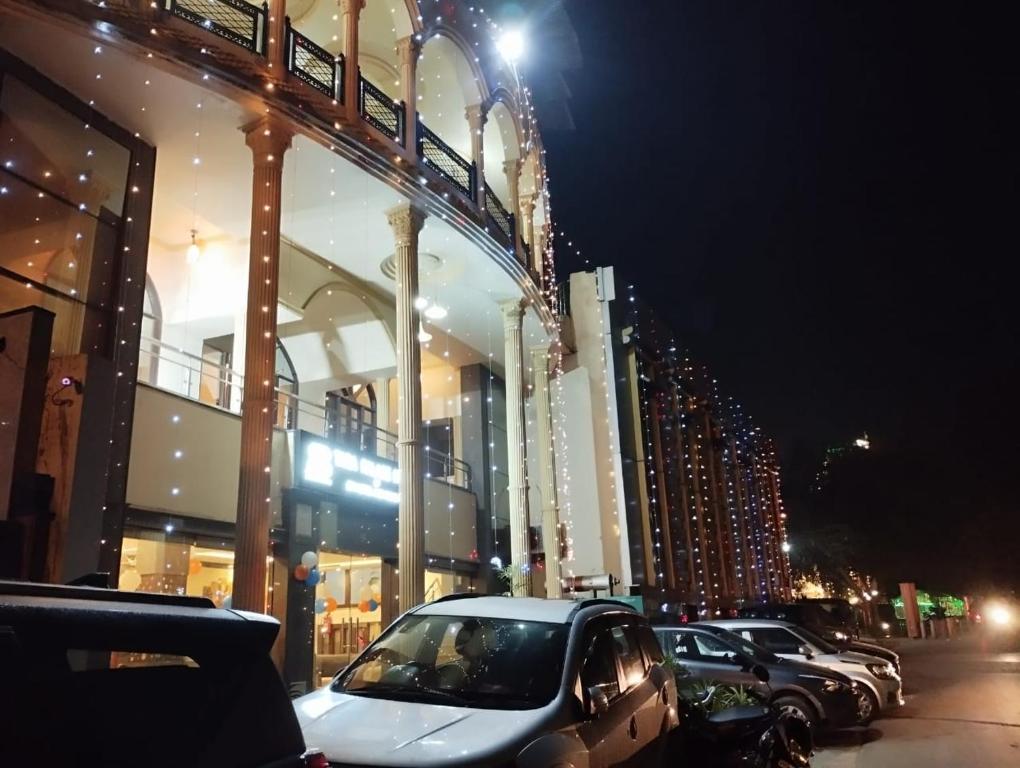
pixel 826 624
pixel 824 698
pixel 98 677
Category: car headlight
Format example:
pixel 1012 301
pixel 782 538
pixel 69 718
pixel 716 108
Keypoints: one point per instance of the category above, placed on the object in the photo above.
pixel 885 626
pixel 840 635
pixel 882 671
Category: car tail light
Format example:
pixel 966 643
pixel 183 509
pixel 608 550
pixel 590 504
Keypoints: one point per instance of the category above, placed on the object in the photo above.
pixel 314 758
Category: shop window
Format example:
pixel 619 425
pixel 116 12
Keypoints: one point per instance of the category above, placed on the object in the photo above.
pixel 348 609
pixel 176 565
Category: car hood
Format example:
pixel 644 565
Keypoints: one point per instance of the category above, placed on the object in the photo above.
pixel 874 650
pixel 388 732
pixel 813 670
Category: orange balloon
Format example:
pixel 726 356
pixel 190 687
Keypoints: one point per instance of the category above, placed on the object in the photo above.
pixel 330 604
pixel 194 566
pixel 301 572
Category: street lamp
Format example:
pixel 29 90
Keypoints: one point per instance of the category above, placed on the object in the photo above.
pixel 511 45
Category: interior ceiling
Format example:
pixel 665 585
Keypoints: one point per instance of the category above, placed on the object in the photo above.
pixel 330 206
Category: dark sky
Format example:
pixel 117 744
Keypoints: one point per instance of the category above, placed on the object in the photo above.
pixel 822 197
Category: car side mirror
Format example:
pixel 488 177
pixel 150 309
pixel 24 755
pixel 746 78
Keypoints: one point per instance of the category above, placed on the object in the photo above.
pixel 760 672
pixel 598 702
pixel 805 652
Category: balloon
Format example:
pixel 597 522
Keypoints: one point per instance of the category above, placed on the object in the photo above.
pixel 331 604
pixel 372 605
pixel 363 606
pixel 194 567
pixel 320 605
pixel 301 572
pixel 313 577
pixel 227 602
pixel 309 559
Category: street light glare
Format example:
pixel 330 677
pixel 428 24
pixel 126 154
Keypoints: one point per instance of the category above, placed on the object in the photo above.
pixel 511 45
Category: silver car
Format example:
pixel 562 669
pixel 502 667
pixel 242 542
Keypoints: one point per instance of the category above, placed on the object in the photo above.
pixel 878 681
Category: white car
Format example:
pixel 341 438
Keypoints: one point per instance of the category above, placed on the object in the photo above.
pixel 877 678
pixel 500 681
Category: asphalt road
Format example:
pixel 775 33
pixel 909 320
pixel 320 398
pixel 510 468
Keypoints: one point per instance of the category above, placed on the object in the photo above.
pixel 962 709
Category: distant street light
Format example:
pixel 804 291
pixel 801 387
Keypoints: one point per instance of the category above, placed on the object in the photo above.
pixel 511 45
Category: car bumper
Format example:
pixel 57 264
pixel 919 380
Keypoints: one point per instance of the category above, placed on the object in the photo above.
pixel 890 694
pixel 840 709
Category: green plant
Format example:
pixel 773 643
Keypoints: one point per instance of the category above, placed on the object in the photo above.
pixel 514 580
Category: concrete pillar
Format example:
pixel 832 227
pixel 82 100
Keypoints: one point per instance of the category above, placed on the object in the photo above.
pixel 408 51
pixel 406 222
pixel 268 139
pixel 350 15
pixel 477 116
pixel 547 471
pixel 276 37
pixel 512 169
pixel 520 545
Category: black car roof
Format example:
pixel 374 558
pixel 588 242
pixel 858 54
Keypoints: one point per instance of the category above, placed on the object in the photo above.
pixel 106 619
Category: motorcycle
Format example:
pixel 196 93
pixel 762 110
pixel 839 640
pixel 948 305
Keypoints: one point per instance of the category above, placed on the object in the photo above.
pixel 757 735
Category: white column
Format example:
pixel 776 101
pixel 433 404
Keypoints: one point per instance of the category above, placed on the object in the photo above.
pixel 547 471
pixel 408 50
pixel 512 169
pixel 477 117
pixel 520 545
pixel 407 222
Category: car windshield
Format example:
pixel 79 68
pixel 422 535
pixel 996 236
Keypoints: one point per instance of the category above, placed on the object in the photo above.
pixel 462 661
pixel 823 645
pixel 746 647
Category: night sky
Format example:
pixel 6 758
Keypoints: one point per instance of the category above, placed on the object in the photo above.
pixel 822 199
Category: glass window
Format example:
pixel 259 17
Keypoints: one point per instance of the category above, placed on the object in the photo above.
pixel 628 650
pixel 777 640
pixel 649 644
pixel 599 669
pixel 712 648
pixel 462 661
pixel 177 565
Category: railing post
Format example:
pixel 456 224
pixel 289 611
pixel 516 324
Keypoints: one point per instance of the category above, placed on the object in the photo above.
pixel 476 194
pixel 513 234
pixel 402 124
pixel 419 136
pixel 340 86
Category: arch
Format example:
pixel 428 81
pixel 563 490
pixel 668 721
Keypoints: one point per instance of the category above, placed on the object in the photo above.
pixel 381 24
pixel 501 144
pixel 449 81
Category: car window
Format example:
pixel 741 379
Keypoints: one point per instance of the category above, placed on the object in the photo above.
pixel 599 669
pixel 712 648
pixel 628 650
pixel 649 644
pixel 776 639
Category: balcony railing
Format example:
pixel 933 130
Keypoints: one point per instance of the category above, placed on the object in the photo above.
pixel 380 110
pixel 238 21
pixel 174 370
pixel 442 158
pixel 314 64
pixel 501 218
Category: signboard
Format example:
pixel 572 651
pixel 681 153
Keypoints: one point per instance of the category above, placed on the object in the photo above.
pixel 324 465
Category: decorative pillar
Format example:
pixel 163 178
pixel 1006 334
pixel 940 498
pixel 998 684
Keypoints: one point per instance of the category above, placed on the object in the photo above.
pixel 406 222
pixel 408 51
pixel 268 139
pixel 512 169
pixel 547 471
pixel 527 227
pixel 276 37
pixel 477 116
pixel 350 15
pixel 520 544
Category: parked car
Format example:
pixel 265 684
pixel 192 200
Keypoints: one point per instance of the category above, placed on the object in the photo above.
pixel 823 623
pixel 484 680
pixel 876 678
pixel 712 654
pixel 98 677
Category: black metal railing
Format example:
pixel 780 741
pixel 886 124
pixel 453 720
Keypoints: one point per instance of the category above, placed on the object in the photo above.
pixel 500 216
pixel 238 21
pixel 442 158
pixel 380 110
pixel 314 64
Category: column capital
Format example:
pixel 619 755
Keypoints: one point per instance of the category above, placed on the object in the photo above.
pixel 351 6
pixel 406 221
pixel 512 168
pixel 268 138
pixel 408 50
pixel 477 116
pixel 528 202
pixel 513 314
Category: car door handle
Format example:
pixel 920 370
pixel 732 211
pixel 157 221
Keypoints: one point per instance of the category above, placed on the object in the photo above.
pixel 633 728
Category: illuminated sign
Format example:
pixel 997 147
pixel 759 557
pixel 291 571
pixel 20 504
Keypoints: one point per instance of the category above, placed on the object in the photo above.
pixel 363 476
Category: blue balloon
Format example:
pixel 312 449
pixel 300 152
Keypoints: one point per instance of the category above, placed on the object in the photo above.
pixel 320 605
pixel 313 577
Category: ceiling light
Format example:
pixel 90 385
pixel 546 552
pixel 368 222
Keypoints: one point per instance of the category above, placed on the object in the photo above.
pixel 436 312
pixel 421 303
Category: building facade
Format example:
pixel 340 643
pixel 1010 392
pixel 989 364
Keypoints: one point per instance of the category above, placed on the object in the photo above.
pixel 685 505
pixel 295 266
